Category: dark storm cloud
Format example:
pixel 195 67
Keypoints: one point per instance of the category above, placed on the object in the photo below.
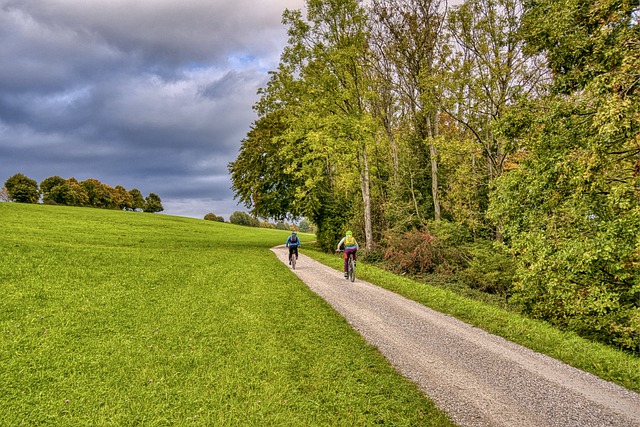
pixel 152 94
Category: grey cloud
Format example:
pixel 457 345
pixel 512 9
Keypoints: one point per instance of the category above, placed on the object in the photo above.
pixel 152 94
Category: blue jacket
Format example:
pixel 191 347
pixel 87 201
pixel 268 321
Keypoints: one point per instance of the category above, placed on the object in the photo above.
pixel 293 244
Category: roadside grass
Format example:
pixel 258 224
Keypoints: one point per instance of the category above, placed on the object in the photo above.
pixel 120 318
pixel 606 362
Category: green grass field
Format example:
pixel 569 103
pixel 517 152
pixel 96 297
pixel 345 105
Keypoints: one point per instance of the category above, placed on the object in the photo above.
pixel 120 318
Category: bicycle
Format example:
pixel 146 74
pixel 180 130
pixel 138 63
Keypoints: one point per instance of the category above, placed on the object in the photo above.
pixel 351 268
pixel 294 259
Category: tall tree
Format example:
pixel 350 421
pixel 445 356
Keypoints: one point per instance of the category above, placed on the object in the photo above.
pixel 488 71
pixel 320 92
pixel 407 38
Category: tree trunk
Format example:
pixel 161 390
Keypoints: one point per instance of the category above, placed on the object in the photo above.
pixel 366 199
pixel 434 181
pixel 432 124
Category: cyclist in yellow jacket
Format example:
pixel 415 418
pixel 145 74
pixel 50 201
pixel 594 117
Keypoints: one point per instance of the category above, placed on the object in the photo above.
pixel 350 247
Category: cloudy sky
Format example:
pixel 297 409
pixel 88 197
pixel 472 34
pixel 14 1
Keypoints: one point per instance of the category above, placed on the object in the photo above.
pixel 148 94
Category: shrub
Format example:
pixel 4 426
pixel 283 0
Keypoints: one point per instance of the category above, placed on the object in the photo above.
pixel 213 217
pixel 491 268
pixel 243 218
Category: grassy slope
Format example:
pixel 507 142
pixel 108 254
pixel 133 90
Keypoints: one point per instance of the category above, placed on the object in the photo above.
pixel 606 362
pixel 119 318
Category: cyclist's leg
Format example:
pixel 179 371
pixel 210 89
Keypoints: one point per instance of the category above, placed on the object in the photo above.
pixel 346 263
pixel 348 253
pixel 296 251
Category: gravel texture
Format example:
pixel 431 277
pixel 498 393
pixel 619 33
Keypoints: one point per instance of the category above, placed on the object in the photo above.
pixel 479 379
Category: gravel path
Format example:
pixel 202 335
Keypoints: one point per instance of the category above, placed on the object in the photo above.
pixel 479 379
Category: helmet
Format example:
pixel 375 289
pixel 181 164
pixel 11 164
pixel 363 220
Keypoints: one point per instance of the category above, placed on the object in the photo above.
pixel 293 233
pixel 349 233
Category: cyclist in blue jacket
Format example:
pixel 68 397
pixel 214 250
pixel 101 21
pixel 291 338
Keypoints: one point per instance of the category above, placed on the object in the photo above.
pixel 292 243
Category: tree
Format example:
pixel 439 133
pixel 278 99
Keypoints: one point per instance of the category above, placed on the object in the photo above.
pixel 69 193
pixel 213 217
pixel 261 176
pixel 49 184
pixel 153 203
pixel 22 189
pixel 304 226
pixel 100 195
pixel 408 35
pixel 243 218
pixel 137 200
pixel 322 87
pixel 488 70
pixel 121 198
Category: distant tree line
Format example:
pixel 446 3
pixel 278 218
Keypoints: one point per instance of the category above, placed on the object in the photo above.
pixel 243 218
pixel 71 192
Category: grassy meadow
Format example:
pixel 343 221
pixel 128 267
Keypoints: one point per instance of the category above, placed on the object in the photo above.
pixel 120 318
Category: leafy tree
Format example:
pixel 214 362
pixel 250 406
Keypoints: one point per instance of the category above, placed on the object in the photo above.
pixel 486 70
pixel 304 226
pixel 153 203
pixel 121 198
pixel 69 193
pixel 100 195
pixel 243 218
pixel 22 189
pixel 47 185
pixel 315 131
pixel 261 177
pixel 137 200
pixel 213 217
pixel 407 36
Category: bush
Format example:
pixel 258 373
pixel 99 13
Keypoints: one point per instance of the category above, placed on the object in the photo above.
pixel 437 249
pixel 491 268
pixel 243 218
pixel 213 217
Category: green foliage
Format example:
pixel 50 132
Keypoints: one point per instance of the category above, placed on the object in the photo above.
pixel 121 198
pixel 261 175
pixel 304 226
pixel 137 199
pixel 571 209
pixel 213 217
pixel 91 192
pixel 69 193
pixel 491 268
pixel 243 218
pixel 99 194
pixel 48 184
pixel 22 189
pixel 153 203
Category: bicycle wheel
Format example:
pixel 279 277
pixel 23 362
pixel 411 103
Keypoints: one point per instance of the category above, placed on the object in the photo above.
pixel 294 258
pixel 352 270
